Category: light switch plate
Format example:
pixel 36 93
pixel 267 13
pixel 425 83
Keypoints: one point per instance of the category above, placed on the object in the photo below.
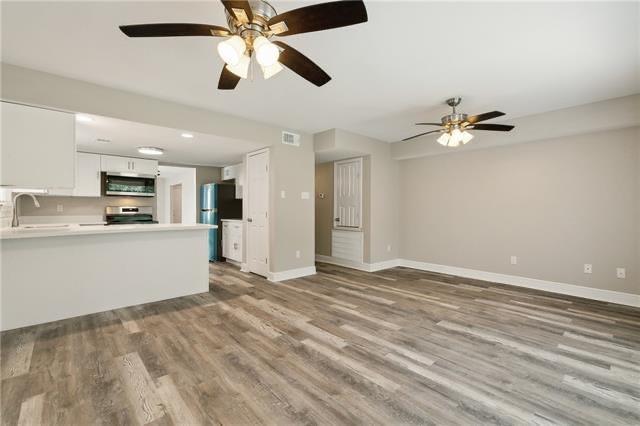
pixel 304 195
pixel 283 194
pixel 621 273
pixel 514 260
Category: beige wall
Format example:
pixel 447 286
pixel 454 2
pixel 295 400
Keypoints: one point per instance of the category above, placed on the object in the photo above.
pixel 556 204
pixel 380 188
pixel 292 168
pixel 324 208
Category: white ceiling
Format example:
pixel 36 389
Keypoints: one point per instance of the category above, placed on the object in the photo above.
pixel 521 58
pixel 126 136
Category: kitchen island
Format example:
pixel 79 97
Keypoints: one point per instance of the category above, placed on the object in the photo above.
pixel 53 273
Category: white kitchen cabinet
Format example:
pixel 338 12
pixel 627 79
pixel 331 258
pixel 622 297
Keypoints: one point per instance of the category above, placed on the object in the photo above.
pixel 229 172
pixel 112 163
pixel 87 179
pixel 87 175
pixel 38 147
pixel 235 172
pixel 232 240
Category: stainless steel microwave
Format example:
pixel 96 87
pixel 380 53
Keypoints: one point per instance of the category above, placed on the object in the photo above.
pixel 136 185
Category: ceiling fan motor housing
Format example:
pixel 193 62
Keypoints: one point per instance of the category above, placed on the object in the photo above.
pixel 453 119
pixel 262 12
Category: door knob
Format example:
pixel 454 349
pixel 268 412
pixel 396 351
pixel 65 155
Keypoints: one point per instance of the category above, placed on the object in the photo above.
pixel 337 219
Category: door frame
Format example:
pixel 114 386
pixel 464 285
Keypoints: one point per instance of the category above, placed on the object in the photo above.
pixel 171 201
pixel 245 210
pixel 335 193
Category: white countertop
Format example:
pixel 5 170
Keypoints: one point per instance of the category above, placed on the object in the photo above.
pixel 230 220
pixel 64 230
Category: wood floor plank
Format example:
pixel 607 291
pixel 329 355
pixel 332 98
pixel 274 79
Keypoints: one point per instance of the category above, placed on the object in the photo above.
pixel 143 395
pixel 31 411
pixel 343 346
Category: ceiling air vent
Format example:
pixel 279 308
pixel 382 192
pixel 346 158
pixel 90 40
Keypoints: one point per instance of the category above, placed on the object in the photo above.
pixel 289 138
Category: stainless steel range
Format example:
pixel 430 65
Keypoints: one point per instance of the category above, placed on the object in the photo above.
pixel 129 215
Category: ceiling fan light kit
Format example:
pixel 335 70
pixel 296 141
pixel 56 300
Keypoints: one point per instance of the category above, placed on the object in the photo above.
pixel 251 24
pixel 455 126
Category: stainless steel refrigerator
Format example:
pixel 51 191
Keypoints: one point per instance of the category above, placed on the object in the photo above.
pixel 218 201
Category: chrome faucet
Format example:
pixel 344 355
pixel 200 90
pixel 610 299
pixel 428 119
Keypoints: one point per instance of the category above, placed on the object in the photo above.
pixel 16 222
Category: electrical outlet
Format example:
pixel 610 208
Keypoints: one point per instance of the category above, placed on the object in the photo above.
pixel 389 247
pixel 297 254
pixel 621 273
pixel 59 208
pixel 514 260
pixel 588 268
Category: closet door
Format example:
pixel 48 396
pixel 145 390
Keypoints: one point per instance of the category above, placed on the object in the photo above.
pixel 348 194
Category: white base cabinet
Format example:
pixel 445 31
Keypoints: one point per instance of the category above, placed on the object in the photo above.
pixel 232 240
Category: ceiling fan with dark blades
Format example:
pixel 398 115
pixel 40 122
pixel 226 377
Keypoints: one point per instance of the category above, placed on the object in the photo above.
pixel 251 24
pixel 455 126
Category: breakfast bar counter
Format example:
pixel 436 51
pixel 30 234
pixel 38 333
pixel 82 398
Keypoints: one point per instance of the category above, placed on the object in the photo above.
pixel 57 272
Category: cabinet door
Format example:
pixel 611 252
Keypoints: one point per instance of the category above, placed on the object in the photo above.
pixel 239 180
pixel 112 163
pixel 144 167
pixel 225 239
pixel 235 242
pixel 87 175
pixel 38 147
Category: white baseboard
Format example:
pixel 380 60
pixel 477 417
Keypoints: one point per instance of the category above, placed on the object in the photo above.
pixel 515 280
pixel 291 274
pixel 361 266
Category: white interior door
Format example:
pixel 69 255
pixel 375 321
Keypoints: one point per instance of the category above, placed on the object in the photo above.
pixel 258 213
pixel 347 194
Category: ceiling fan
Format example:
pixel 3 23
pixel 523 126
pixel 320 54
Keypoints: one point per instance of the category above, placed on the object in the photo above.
pixel 251 24
pixel 455 126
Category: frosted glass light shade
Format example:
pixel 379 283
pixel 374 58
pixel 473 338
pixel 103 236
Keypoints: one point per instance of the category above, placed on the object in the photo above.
pixel 241 69
pixel 443 139
pixel 271 70
pixel 266 52
pixel 232 50
pixel 456 137
pixel 466 137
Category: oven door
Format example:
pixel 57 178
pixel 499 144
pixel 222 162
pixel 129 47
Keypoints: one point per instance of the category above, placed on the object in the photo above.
pixel 123 184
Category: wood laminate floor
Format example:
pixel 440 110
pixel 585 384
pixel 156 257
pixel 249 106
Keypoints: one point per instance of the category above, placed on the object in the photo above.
pixel 341 347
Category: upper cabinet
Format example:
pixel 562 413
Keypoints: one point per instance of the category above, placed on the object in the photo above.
pixel 112 163
pixel 38 147
pixel 87 175
pixel 235 172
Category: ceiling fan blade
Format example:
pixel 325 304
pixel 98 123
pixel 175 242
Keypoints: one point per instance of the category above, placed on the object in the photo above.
pixel 494 127
pixel 228 80
pixel 239 9
pixel 302 65
pixel 428 124
pixel 484 116
pixel 318 17
pixel 421 134
pixel 174 30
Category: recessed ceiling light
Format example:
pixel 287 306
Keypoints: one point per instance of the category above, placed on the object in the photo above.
pixel 80 118
pixel 187 135
pixel 150 150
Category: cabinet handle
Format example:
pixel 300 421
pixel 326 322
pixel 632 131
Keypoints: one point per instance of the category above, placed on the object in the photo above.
pixel 133 165
pixel 235 246
pixel 249 220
